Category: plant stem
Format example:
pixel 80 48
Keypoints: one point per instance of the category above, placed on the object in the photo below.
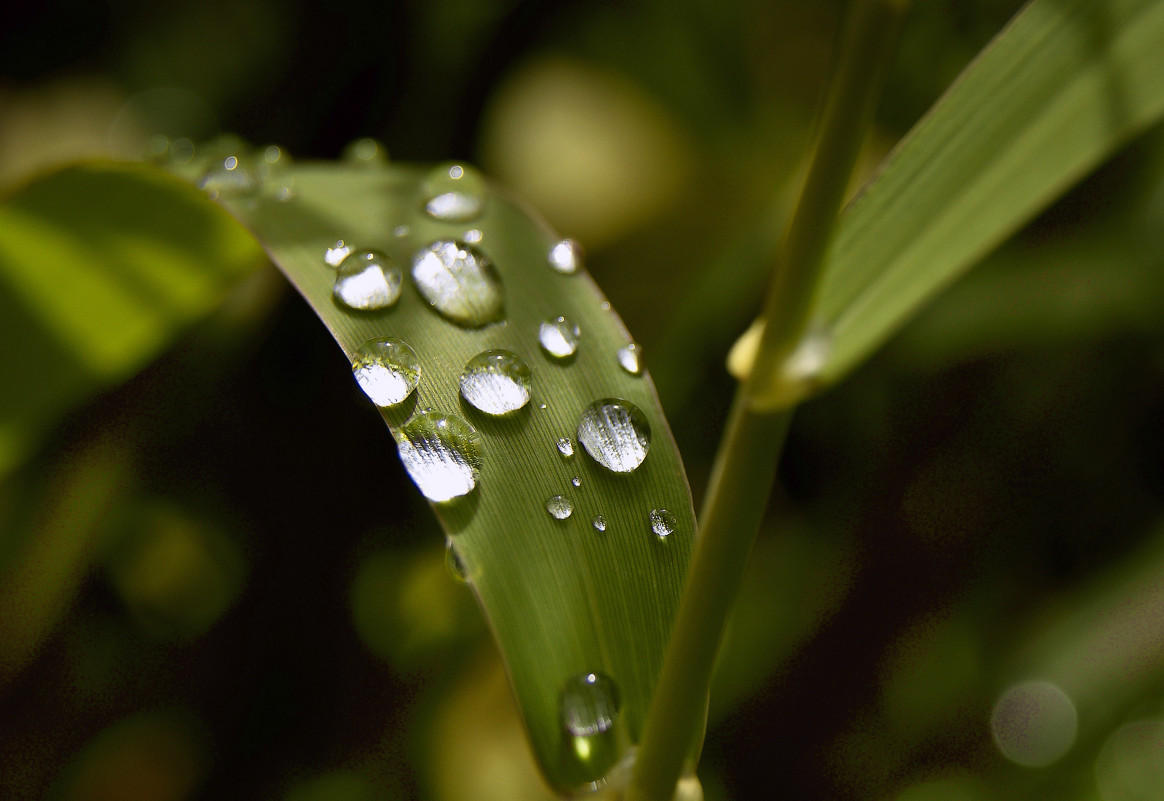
pixel 745 467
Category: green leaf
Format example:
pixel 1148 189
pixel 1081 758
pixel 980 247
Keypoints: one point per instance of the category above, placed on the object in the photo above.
pixel 1056 92
pixel 563 599
pixel 101 266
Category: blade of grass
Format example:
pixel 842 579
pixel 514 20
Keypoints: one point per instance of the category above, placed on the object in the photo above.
pixel 563 598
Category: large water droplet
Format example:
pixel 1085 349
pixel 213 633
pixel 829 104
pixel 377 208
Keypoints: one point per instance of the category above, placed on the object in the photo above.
pixel 496 382
pixel 663 523
pixel 559 507
pixel 589 704
pixel 565 447
pixel 628 359
pixel 231 176
pixel 335 254
pixel 367 280
pixel 615 434
pixel 442 454
pixel 559 337
pixel 599 523
pixel 460 282
pixel 387 370
pixel 566 256
pixel 454 193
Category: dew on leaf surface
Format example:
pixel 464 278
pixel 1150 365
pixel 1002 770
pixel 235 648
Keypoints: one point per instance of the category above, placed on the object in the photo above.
pixel 387 370
pixel 460 282
pixel 629 359
pixel 367 280
pixel 589 704
pixel 565 256
pixel 496 382
pixel 615 434
pixel 662 522
pixel 334 255
pixel 453 193
pixel 599 523
pixel 559 507
pixel 559 337
pixel 442 454
pixel 566 447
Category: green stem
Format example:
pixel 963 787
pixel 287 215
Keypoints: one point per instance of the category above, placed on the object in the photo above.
pixel 749 451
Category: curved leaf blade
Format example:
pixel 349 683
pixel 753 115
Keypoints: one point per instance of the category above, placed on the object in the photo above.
pixel 563 598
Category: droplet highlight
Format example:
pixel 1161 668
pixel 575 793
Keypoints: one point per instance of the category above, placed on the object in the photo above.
pixel 559 337
pixel 589 704
pixel 454 193
pixel 367 280
pixel 566 447
pixel 628 359
pixel 615 434
pixel 560 507
pixel 334 255
pixel 576 481
pixel 662 522
pixel 460 282
pixel 496 382
pixel 442 454
pixel 599 523
pixel 565 256
pixel 387 370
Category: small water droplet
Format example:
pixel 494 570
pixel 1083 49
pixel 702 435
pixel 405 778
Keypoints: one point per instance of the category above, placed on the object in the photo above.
pixel 605 305
pixel 589 704
pixel 560 507
pixel 472 236
pixel 615 434
pixel 335 254
pixel 230 176
pixel 453 193
pixel 460 282
pixel 541 406
pixel 367 280
pixel 599 523
pixel 442 454
pixel 456 565
pixel 401 230
pixel 387 370
pixel 577 482
pixel 496 382
pixel 273 154
pixel 559 337
pixel 628 358
pixel 566 447
pixel 662 523
pixel 366 151
pixel 566 256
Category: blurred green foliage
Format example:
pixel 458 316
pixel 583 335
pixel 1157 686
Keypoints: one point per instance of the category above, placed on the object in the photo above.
pixel 185 613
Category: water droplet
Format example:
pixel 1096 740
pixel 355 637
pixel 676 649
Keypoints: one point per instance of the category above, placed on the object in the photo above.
pixel 229 177
pixel 566 256
pixel 366 151
pixel 387 370
pixel 560 507
pixel 454 193
pixel 367 280
pixel 401 230
pixel 589 704
pixel 541 406
pixel 472 236
pixel 663 523
pixel 456 565
pixel 628 357
pixel 566 447
pixel 442 454
pixel 599 523
pixel 335 254
pixel 496 382
pixel 605 305
pixel 559 337
pixel 577 482
pixel 273 154
pixel 615 434
pixel 460 282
